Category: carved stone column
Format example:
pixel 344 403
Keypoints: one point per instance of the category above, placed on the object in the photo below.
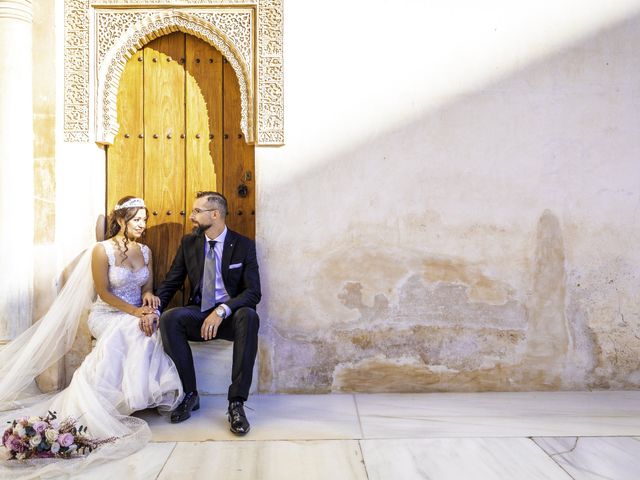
pixel 16 167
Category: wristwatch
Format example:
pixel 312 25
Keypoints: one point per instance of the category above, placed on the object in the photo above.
pixel 221 312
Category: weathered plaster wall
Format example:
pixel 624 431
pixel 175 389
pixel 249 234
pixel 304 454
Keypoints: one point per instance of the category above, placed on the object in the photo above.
pixel 456 207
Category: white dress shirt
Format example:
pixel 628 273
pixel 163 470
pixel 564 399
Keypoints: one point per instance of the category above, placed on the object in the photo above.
pixel 221 293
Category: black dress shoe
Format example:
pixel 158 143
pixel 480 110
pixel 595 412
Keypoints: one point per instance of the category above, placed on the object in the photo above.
pixel 190 402
pixel 237 418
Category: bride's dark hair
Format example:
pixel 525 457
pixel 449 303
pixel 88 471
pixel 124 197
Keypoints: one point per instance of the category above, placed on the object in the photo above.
pixel 125 214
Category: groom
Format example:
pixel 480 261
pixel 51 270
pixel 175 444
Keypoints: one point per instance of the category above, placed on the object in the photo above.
pixel 225 288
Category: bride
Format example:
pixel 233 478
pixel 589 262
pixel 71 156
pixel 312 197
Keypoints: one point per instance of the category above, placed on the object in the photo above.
pixel 126 371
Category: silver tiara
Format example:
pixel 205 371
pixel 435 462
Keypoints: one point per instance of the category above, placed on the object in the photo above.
pixel 131 203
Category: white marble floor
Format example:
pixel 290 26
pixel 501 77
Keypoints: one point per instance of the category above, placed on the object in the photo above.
pixel 551 435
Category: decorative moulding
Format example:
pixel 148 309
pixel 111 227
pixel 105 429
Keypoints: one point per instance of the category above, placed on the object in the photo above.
pixel 248 34
pixel 120 34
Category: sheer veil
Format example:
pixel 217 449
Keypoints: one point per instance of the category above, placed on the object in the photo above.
pixel 41 346
pixel 47 340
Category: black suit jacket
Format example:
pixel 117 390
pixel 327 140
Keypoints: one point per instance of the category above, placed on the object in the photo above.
pixel 241 282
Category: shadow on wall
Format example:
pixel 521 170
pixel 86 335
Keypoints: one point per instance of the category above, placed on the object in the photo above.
pixel 464 251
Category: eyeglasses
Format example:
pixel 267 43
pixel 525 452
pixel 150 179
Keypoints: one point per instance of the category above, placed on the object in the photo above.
pixel 196 211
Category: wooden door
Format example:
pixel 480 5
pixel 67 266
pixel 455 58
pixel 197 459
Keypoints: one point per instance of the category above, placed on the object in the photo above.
pixel 179 114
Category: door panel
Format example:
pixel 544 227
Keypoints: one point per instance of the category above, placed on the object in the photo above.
pixel 126 177
pixel 204 119
pixel 164 172
pixel 179 115
pixel 238 161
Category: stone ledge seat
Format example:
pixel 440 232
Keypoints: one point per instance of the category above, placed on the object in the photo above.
pixel 213 362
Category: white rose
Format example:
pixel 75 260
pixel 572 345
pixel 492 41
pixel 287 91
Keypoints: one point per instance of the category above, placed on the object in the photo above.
pixel 55 447
pixel 35 440
pixel 19 431
pixel 5 454
pixel 51 435
pixel 33 420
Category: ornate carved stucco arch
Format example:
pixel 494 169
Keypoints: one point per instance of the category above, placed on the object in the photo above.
pixel 145 30
pixel 247 31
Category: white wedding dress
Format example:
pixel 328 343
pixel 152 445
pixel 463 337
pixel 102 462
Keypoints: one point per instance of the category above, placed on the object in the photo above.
pixel 126 371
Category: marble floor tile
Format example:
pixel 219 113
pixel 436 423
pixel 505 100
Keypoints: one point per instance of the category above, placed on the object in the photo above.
pixel 513 414
pixel 142 465
pixel 272 460
pixel 595 458
pixel 274 417
pixel 458 458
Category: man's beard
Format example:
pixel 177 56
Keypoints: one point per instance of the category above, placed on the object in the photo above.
pixel 199 228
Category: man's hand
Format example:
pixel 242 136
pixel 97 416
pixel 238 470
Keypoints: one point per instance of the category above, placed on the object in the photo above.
pixel 210 326
pixel 142 311
pixel 149 323
pixel 150 300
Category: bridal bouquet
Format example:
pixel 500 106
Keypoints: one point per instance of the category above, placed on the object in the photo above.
pixel 47 437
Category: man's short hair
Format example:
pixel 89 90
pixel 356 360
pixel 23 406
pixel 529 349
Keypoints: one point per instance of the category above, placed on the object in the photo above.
pixel 215 200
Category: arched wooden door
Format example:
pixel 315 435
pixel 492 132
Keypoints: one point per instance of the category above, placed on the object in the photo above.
pixel 179 115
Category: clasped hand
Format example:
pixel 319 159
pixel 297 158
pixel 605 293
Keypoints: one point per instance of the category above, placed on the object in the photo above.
pixel 149 323
pixel 148 313
pixel 150 304
pixel 150 300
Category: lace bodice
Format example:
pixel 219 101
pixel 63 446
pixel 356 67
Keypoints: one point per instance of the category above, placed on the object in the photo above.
pixel 124 282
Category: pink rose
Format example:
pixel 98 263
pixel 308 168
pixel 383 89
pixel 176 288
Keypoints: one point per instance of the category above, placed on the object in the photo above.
pixel 66 439
pixel 40 426
pixel 8 441
pixel 18 445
